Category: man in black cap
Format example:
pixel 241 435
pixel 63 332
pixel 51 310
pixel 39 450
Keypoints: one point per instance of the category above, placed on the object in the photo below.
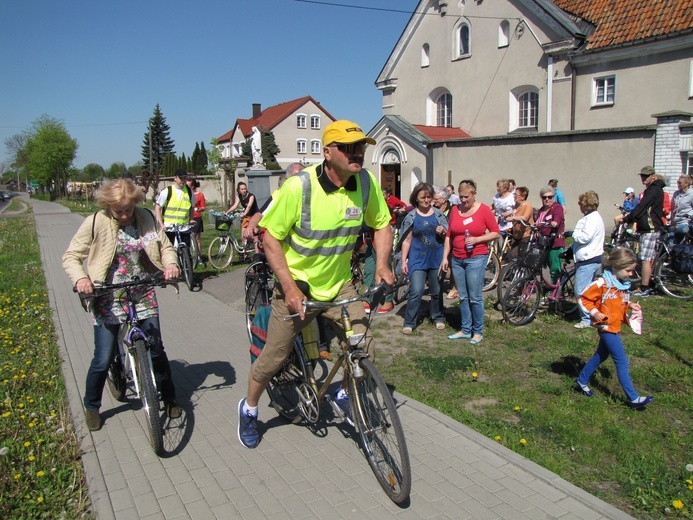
pixel 175 205
pixel 648 217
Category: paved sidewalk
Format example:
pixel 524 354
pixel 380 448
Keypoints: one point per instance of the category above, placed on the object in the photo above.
pixel 295 472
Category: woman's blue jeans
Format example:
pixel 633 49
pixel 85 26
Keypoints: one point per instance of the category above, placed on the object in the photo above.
pixel 610 344
pixel 416 289
pixel 469 279
pixel 584 276
pixel 105 340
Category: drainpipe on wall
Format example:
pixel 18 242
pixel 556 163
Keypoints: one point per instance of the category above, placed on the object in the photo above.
pixel 572 93
pixel 549 94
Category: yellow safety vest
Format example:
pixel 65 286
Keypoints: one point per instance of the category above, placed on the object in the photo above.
pixel 318 229
pixel 177 211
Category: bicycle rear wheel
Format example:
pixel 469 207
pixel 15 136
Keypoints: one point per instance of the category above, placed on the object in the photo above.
pixel 521 301
pixel 116 378
pixel 186 266
pixel 676 285
pixel 492 273
pixel 259 285
pixel 380 430
pixel 148 395
pixel 220 252
pixel 284 389
pixel 567 302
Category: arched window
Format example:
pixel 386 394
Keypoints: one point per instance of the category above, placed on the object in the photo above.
pixel 315 122
pixel 444 110
pixel 300 120
pixel 524 108
pixel 504 34
pixel 528 116
pixel 462 41
pixel 315 146
pixel 425 55
pixel 300 146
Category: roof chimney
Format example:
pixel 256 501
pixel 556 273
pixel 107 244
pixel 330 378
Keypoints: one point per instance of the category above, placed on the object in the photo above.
pixel 257 110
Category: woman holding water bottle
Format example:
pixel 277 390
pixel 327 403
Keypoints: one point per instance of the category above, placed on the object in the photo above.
pixel 472 226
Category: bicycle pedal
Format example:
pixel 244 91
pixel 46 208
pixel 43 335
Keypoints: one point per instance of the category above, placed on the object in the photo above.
pixel 335 408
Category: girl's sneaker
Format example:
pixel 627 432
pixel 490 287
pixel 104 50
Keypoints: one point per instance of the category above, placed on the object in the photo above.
pixel 641 402
pixel 583 388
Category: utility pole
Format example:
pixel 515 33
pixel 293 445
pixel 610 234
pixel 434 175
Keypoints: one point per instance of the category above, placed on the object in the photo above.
pixel 151 172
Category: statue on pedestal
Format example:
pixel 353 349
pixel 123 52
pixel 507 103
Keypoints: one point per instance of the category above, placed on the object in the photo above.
pixel 256 149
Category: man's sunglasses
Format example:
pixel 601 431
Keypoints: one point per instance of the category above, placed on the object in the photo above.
pixel 351 148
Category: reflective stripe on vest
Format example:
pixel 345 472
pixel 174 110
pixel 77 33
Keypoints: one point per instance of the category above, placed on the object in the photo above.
pixel 178 208
pixel 304 231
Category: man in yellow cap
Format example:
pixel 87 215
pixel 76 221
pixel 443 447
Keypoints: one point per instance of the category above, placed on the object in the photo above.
pixel 311 231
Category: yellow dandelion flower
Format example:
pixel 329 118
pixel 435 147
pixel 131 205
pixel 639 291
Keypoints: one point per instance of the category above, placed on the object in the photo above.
pixel 497 437
pixel 517 408
pixel 27 444
pixel 523 441
pixel 39 499
pixel 40 473
pixel 40 441
pixel 677 504
pixel 689 481
pixel 6 415
pixel 31 424
pixel 474 374
pixel 31 458
pixel 17 476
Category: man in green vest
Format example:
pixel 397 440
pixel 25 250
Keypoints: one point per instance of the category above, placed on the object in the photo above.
pixel 311 231
pixel 175 205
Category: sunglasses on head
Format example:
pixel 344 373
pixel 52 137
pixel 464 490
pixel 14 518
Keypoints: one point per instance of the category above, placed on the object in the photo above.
pixel 470 182
pixel 350 148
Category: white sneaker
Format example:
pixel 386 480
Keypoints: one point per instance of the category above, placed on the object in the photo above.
pixel 582 325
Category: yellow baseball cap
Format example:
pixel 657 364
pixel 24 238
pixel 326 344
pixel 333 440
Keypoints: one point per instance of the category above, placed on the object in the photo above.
pixel 344 132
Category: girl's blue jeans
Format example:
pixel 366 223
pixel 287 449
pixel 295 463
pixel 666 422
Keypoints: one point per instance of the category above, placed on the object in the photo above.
pixel 610 344
pixel 469 279
pixel 105 338
pixel 416 290
pixel 584 276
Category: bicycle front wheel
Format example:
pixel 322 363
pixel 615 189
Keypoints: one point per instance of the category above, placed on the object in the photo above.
pixel 194 252
pixel 401 289
pixel 380 430
pixel 186 266
pixel 259 285
pixel 148 395
pixel 284 388
pixel 220 252
pixel 567 302
pixel 508 274
pixel 521 301
pixel 492 272
pixel 676 285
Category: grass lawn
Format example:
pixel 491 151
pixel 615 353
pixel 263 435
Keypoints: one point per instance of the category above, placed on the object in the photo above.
pixel 41 474
pixel 516 387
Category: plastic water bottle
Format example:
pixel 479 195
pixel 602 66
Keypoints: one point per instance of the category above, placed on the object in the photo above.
pixel 468 247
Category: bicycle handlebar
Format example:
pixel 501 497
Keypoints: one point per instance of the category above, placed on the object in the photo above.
pixel 181 228
pixel 359 297
pixel 102 288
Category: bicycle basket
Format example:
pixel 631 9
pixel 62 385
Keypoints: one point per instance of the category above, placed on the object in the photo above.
pixel 222 222
pixel 534 255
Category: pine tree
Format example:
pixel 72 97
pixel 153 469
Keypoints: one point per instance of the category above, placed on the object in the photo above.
pixel 203 164
pixel 161 145
pixel 195 159
pixel 269 146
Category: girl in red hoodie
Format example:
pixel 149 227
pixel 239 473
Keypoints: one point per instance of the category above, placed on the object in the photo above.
pixel 607 301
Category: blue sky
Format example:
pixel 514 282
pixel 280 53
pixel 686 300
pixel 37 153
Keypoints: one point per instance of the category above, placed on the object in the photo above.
pixel 101 67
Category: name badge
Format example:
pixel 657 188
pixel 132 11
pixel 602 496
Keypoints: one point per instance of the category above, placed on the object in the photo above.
pixel 467 221
pixel 149 237
pixel 352 213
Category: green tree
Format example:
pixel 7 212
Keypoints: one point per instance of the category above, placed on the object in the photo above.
pixel 161 146
pixel 116 170
pixel 195 159
pixel 202 161
pixel 49 152
pixel 270 150
pixel 93 172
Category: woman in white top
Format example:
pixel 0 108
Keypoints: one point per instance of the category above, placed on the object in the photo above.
pixel 682 207
pixel 503 205
pixel 588 247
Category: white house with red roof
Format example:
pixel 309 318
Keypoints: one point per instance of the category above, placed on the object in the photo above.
pixel 297 126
